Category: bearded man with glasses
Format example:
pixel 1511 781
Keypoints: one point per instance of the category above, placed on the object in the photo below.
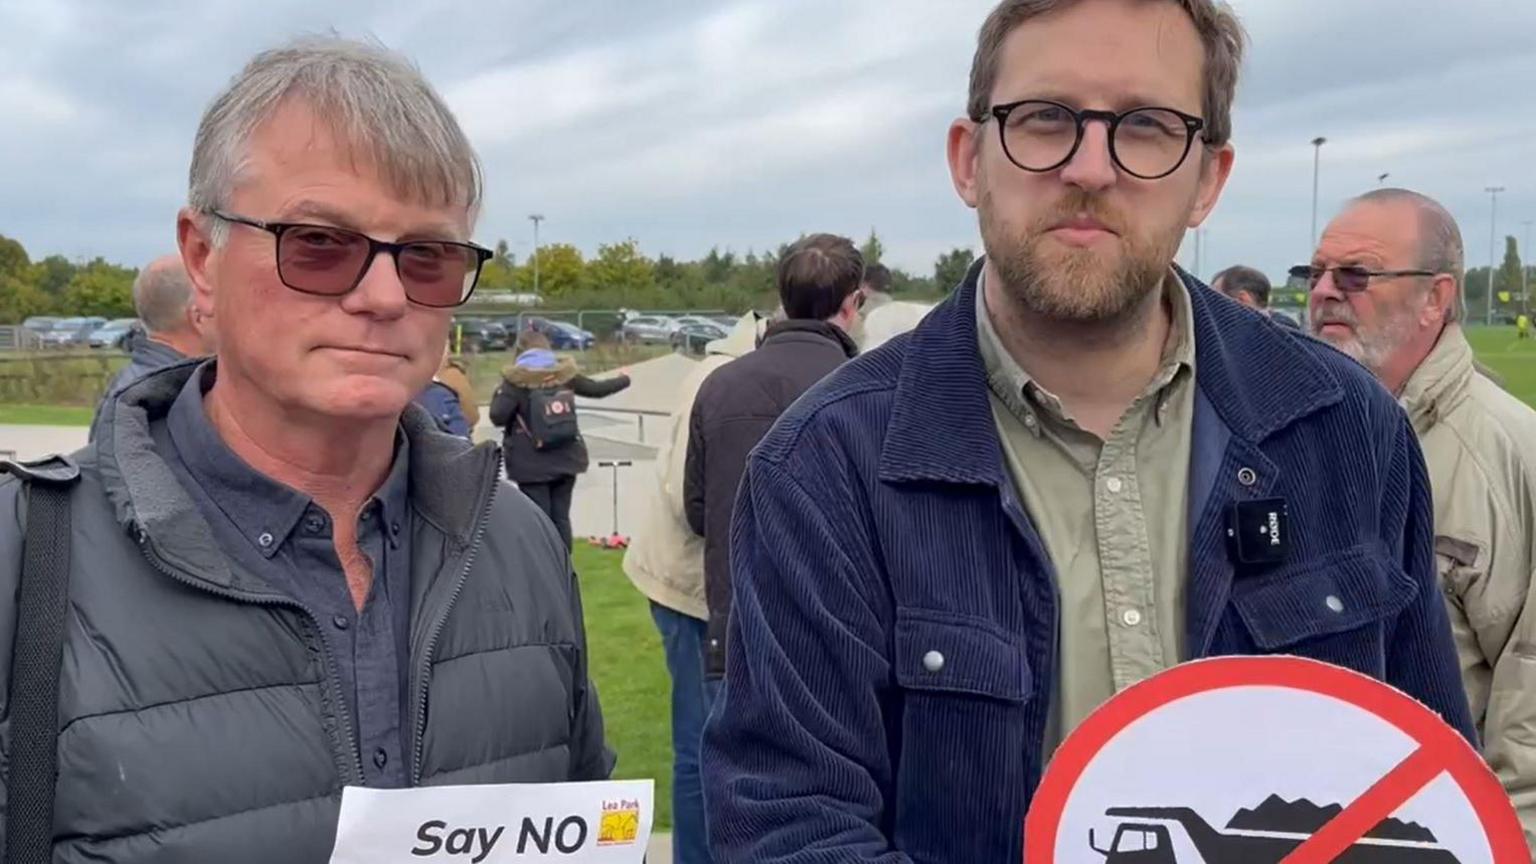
pixel 281 578
pixel 1386 288
pixel 958 546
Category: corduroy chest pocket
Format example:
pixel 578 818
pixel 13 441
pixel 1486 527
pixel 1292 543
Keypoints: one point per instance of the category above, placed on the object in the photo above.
pixel 965 689
pixel 1335 608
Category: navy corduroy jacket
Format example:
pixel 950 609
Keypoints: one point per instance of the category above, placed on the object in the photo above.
pixel 877 523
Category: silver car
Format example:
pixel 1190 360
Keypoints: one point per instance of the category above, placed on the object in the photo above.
pixel 647 330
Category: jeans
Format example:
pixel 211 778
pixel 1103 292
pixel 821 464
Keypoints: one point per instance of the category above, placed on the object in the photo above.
pixel 554 498
pixel 682 637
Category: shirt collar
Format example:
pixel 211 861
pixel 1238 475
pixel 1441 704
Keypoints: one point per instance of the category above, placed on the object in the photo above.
pixel 265 510
pixel 1018 390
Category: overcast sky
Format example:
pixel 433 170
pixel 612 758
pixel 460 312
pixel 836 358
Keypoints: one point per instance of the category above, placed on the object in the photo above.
pixel 741 124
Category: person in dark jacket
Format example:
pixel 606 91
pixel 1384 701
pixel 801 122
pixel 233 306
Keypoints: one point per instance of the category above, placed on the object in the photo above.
pixel 819 279
pixel 282 581
pixel 546 473
pixel 962 544
pixel 173 329
pixel 1251 288
pixel 443 399
pixel 442 403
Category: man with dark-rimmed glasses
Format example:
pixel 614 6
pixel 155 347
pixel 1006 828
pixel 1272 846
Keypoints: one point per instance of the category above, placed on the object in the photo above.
pixel 1386 288
pixel 958 546
pixel 283 580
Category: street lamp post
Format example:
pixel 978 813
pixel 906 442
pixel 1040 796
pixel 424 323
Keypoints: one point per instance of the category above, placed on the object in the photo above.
pixel 536 218
pixel 1493 231
pixel 1317 159
pixel 1525 270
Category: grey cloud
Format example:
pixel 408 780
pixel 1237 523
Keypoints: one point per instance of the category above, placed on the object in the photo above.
pixel 740 124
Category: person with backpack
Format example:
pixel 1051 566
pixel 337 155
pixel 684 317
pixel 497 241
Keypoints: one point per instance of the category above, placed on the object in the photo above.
pixel 535 406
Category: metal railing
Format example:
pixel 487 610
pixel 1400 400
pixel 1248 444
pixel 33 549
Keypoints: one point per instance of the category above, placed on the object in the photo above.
pixel 602 321
pixel 639 414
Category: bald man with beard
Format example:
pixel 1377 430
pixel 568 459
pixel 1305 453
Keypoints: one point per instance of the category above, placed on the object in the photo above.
pixel 1386 289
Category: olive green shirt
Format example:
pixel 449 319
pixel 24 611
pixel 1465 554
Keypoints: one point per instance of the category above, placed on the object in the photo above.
pixel 1113 516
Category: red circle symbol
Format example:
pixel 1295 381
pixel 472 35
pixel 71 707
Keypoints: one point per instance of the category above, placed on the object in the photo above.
pixel 1440 750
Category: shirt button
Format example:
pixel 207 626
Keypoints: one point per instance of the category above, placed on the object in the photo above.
pixel 1131 617
pixel 1114 484
pixel 341 622
pixel 314 523
pixel 265 540
pixel 1334 604
pixel 394 528
pixel 933 661
pixel 380 758
pixel 1029 420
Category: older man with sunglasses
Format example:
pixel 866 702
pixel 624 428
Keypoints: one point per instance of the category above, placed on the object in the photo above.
pixel 1386 289
pixel 282 579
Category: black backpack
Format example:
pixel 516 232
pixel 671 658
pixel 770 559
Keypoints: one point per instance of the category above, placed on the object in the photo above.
pixel 551 418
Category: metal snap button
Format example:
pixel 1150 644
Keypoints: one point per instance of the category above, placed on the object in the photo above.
pixel 1247 476
pixel 1334 604
pixel 933 661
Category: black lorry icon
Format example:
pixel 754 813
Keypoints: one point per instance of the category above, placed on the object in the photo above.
pixel 1262 835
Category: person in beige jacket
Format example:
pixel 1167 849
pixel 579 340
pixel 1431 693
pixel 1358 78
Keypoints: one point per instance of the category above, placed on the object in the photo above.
pixel 665 561
pixel 1386 289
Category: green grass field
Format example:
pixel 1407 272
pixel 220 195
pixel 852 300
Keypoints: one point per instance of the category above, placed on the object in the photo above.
pixel 630 673
pixel 46 415
pixel 1514 360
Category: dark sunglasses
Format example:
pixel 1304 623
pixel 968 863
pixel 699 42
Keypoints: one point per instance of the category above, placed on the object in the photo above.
pixel 330 261
pixel 1350 278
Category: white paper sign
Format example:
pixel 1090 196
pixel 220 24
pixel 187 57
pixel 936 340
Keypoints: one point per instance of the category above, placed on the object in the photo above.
pixel 601 823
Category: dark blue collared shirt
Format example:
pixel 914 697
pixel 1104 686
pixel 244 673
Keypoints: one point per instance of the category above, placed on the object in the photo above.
pixel 284 537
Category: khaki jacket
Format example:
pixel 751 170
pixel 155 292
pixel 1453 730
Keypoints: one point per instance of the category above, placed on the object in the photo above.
pixel 1480 445
pixel 665 559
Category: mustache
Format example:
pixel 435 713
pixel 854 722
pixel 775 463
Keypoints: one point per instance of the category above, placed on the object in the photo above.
pixel 1334 313
pixel 1080 203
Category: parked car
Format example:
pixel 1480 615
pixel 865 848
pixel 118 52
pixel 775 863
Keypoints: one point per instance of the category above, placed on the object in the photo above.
pixel 478 335
pixel 40 323
pixel 113 334
pixel 70 332
pixel 683 320
pixel 693 338
pixel 646 330
pixel 563 335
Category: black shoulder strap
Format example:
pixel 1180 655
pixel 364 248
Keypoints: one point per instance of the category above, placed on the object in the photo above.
pixel 34 697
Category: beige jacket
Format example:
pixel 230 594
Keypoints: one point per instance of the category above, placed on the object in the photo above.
pixel 665 559
pixel 1480 445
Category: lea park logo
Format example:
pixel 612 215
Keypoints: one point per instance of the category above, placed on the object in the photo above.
pixel 620 824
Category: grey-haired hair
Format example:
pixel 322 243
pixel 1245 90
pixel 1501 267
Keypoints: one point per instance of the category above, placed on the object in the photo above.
pixel 374 100
pixel 1440 245
pixel 161 293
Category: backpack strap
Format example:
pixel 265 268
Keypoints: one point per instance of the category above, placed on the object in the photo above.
pixel 34 696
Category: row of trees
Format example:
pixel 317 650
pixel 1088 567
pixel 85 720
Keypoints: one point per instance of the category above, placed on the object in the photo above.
pixel 57 286
pixel 618 275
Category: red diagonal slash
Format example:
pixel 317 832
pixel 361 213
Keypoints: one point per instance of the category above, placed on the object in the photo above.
pixel 1379 802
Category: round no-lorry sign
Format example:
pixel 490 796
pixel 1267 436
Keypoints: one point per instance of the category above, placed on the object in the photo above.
pixel 1263 760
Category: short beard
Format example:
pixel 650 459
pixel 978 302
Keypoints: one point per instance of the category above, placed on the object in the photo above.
pixel 1370 348
pixel 1076 285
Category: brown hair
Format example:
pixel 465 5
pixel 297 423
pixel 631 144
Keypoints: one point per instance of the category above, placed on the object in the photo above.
pixel 816 274
pixel 528 340
pixel 1217 24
